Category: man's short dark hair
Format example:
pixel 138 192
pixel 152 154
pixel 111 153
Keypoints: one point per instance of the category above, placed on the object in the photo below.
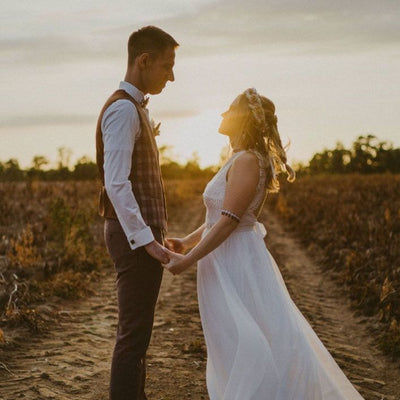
pixel 149 39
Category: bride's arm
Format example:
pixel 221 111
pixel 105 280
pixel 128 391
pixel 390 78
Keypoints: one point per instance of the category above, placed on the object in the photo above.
pixel 240 190
pixel 193 238
pixel 180 245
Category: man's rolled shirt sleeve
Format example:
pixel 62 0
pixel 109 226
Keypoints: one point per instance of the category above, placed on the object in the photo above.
pixel 121 127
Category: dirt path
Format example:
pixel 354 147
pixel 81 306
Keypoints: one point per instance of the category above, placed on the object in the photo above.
pixel 72 360
pixel 326 307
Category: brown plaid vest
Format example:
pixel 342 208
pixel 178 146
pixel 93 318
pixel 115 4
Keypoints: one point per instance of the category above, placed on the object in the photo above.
pixel 145 175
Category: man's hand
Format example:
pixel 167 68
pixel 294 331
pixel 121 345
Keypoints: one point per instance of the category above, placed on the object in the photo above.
pixel 177 263
pixel 175 244
pixel 157 251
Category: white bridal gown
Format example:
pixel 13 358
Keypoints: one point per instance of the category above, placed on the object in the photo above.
pixel 259 345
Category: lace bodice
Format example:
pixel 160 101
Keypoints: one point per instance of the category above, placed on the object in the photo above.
pixel 214 194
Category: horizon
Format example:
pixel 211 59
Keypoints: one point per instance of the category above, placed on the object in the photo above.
pixel 65 154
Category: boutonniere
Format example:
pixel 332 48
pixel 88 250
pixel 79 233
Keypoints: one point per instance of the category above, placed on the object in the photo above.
pixel 155 128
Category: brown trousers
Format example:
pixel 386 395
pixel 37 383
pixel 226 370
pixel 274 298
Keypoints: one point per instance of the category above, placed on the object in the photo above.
pixel 138 284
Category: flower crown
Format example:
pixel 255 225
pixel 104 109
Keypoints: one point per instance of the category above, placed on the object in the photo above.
pixel 257 110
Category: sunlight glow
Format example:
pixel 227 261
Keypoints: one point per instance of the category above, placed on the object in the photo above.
pixel 198 134
pixel 331 79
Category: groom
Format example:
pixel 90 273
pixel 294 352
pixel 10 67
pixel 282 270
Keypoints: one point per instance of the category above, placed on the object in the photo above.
pixel 133 203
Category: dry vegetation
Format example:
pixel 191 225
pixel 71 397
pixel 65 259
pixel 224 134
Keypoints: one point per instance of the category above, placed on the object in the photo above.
pixel 50 246
pixel 51 242
pixel 353 223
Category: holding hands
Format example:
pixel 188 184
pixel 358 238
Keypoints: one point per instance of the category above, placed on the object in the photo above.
pixel 177 261
pixel 177 245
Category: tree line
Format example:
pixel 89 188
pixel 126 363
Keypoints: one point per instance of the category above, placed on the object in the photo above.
pixel 86 169
pixel 366 155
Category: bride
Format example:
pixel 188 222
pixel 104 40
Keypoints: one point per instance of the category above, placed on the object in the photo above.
pixel 259 345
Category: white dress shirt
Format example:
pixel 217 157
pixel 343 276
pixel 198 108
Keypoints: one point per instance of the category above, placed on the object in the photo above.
pixel 121 128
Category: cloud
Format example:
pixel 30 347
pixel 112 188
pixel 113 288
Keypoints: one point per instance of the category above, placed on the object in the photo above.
pixel 297 26
pixel 45 32
pixel 238 26
pixel 46 120
pixel 51 49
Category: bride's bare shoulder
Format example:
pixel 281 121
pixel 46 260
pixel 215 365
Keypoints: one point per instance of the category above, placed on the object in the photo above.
pixel 246 164
pixel 247 160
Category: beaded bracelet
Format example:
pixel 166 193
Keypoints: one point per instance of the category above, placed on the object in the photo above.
pixel 231 215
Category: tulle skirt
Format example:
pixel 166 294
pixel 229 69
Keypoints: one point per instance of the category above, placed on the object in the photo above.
pixel 259 345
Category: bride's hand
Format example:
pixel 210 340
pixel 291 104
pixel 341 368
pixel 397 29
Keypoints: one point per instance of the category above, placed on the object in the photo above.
pixel 177 263
pixel 176 245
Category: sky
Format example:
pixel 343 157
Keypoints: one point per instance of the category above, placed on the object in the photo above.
pixel 331 68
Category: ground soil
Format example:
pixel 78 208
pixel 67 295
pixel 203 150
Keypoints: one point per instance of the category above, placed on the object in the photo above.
pixel 71 359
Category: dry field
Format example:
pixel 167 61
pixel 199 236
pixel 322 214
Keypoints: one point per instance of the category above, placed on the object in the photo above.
pixel 58 303
pixel 50 246
pixel 352 224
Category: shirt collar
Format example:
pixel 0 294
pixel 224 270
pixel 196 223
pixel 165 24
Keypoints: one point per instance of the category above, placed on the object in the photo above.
pixel 132 91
